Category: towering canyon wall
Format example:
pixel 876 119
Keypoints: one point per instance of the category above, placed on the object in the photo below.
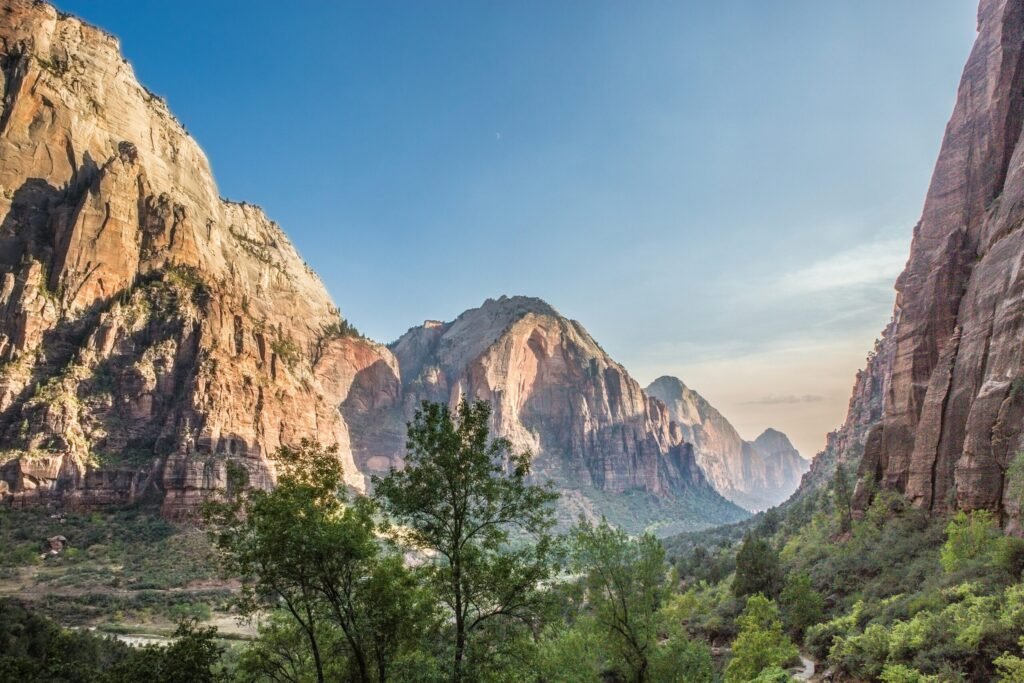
pixel 150 332
pixel 954 403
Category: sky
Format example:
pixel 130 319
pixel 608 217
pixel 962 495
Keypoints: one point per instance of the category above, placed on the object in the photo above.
pixel 720 191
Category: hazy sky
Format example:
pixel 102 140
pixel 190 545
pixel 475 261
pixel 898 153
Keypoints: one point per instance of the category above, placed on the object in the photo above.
pixel 723 191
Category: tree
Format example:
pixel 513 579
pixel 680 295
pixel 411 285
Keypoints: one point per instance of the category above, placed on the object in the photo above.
pixel 761 642
pixel 971 539
pixel 843 493
pixel 457 500
pixel 625 588
pixel 190 658
pixel 757 568
pixel 802 606
pixel 303 547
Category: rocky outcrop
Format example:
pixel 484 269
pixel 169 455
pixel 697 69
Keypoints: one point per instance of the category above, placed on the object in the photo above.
pixel 845 445
pixel 555 391
pixel 955 402
pixel 755 475
pixel 150 332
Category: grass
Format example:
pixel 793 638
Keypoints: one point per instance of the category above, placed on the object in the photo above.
pixel 126 567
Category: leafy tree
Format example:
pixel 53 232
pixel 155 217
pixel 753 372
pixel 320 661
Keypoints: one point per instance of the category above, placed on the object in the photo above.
pixel 802 606
pixel 757 568
pixel 625 582
pixel 458 499
pixel 191 658
pixel 1011 667
pixel 571 654
pixel 761 642
pixel 677 659
pixel 842 491
pixel 305 548
pixel 971 539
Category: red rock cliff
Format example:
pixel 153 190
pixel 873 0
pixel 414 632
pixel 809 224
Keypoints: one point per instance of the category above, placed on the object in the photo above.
pixel 150 332
pixel 954 406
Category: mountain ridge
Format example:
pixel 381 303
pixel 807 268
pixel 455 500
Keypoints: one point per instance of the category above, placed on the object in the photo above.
pixel 754 474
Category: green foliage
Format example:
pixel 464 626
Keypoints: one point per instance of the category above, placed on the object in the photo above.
pixel 459 497
pixel 757 569
pixel 972 539
pixel 304 547
pixel 898 673
pixel 1010 666
pixel 33 648
pixel 802 605
pixel 761 643
pixel 192 657
pixel 571 654
pixel 286 349
pixel 340 328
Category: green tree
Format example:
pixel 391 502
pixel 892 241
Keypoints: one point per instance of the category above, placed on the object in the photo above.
pixel 1010 667
pixel 971 540
pixel 757 568
pixel 802 606
pixel 842 492
pixel 307 549
pixel 191 658
pixel 761 642
pixel 458 499
pixel 625 587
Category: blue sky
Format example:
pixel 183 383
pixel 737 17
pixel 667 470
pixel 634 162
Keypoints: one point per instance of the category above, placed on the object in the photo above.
pixel 723 191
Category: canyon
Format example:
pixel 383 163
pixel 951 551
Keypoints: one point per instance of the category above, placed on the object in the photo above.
pixel 153 333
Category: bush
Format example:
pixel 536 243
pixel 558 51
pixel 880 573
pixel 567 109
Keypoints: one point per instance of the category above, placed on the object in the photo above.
pixel 761 642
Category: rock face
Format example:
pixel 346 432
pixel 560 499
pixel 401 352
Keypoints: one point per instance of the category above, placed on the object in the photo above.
pixel 845 445
pixel 150 332
pixel 955 401
pixel 755 475
pixel 593 430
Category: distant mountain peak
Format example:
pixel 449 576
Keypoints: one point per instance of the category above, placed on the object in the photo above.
pixel 755 474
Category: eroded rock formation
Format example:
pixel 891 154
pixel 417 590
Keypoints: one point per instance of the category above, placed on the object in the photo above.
pixel 555 391
pixel 955 401
pixel 150 332
pixel 753 474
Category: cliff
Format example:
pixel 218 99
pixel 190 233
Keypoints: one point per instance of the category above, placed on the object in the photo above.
pixel 755 475
pixel 554 390
pixel 150 332
pixel 954 406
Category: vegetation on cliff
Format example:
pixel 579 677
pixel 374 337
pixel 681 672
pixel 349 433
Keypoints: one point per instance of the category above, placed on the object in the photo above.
pixel 894 595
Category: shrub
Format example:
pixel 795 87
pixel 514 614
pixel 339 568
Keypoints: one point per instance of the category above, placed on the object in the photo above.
pixel 761 642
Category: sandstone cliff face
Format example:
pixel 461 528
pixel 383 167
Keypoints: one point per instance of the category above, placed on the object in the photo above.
pixel 955 405
pixel 593 430
pixel 755 475
pixel 150 332
pixel 845 446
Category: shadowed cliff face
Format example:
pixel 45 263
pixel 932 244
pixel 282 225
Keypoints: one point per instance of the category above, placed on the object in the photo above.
pixel 593 430
pixel 954 402
pixel 150 332
pixel 753 474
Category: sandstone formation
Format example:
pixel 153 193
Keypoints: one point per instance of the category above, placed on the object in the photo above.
pixel 753 474
pixel 845 445
pixel 150 331
pixel 555 391
pixel 954 406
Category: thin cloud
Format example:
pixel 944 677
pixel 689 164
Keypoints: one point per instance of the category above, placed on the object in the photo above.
pixel 785 399
pixel 866 265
